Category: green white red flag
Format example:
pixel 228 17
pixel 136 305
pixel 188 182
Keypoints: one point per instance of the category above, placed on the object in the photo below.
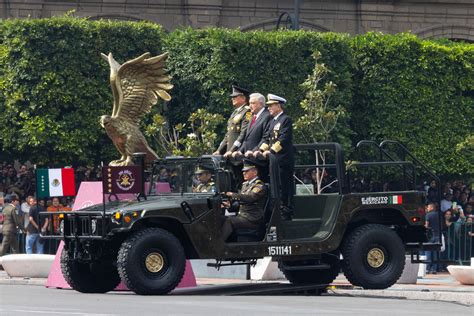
pixel 55 182
pixel 396 199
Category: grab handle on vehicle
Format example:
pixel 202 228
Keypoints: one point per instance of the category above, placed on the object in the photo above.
pixel 187 210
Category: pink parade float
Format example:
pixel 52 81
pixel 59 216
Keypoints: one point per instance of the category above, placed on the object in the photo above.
pixel 90 193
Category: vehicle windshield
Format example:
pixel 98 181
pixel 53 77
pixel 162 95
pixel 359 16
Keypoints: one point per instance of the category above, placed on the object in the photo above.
pixel 183 176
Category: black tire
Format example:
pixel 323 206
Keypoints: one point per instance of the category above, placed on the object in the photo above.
pixel 151 262
pixel 373 257
pixel 315 276
pixel 95 277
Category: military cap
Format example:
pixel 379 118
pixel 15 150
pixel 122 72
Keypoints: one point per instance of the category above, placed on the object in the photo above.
pixel 248 165
pixel 11 197
pixel 275 99
pixel 239 91
pixel 202 169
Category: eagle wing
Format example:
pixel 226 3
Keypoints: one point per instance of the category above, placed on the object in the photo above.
pixel 142 81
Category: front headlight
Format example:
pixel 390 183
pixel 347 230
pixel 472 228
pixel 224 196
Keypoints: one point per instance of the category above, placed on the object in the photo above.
pixel 61 227
pixel 94 225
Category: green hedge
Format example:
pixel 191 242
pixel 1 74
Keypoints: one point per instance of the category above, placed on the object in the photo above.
pixel 54 85
pixel 412 90
pixel 205 63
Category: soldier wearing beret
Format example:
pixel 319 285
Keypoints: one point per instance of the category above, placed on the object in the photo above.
pixel 205 183
pixel 249 202
pixel 11 224
pixel 278 140
pixel 237 123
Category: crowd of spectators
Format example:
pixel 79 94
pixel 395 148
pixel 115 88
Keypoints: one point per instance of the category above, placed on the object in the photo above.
pixel 457 216
pixel 19 180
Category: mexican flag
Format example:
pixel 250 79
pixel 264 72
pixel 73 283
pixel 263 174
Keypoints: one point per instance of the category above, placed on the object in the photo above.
pixel 55 182
pixel 396 199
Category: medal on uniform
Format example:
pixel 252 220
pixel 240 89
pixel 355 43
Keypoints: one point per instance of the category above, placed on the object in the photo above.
pixel 248 115
pixel 277 127
pixel 237 118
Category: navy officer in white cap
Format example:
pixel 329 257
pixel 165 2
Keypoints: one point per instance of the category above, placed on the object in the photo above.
pixel 278 140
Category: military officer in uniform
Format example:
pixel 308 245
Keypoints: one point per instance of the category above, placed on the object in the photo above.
pixel 278 141
pixel 237 123
pixel 11 224
pixel 205 183
pixel 249 203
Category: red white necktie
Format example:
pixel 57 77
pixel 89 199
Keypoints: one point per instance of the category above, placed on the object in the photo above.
pixel 253 120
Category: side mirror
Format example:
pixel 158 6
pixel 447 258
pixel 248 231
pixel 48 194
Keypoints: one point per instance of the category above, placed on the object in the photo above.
pixel 223 181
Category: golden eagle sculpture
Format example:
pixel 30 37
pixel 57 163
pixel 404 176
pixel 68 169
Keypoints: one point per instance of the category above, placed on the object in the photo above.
pixel 136 87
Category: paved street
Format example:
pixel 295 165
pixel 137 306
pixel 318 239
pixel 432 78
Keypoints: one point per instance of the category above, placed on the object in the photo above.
pixel 37 300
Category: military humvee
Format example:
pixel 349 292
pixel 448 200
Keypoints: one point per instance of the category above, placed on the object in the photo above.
pixel 145 243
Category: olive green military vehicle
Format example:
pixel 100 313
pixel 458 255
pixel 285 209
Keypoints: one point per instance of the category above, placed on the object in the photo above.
pixel 355 226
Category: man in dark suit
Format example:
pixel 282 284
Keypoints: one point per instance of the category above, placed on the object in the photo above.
pixel 278 141
pixel 258 125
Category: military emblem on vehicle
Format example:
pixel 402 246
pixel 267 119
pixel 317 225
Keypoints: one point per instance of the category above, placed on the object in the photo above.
pixel 125 180
pixel 119 180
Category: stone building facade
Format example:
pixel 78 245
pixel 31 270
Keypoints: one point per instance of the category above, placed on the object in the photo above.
pixel 452 19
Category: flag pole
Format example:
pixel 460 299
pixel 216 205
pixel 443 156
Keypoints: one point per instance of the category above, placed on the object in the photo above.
pixel 103 200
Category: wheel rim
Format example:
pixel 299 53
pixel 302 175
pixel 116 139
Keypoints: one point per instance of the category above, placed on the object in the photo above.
pixel 154 262
pixel 375 258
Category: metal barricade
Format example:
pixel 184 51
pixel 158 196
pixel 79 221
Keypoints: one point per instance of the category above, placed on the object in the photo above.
pixel 50 245
pixel 459 243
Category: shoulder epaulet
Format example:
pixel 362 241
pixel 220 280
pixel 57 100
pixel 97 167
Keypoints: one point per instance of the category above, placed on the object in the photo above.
pixel 211 183
pixel 259 181
pixel 247 107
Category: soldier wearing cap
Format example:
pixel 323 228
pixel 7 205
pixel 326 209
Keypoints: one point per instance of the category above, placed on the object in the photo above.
pixel 278 140
pixel 11 223
pixel 237 123
pixel 249 202
pixel 204 177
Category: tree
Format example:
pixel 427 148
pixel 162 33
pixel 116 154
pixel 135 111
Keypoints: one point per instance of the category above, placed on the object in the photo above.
pixel 193 139
pixel 320 118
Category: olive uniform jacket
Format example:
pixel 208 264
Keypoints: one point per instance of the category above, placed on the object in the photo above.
pixel 236 129
pixel 251 200
pixel 205 187
pixel 279 139
pixel 11 221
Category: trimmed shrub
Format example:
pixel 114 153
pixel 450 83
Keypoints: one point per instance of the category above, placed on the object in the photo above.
pixel 55 84
pixel 205 63
pixel 413 91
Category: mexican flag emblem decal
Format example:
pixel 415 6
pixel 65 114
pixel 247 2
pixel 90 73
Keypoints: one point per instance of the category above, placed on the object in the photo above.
pixel 396 199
